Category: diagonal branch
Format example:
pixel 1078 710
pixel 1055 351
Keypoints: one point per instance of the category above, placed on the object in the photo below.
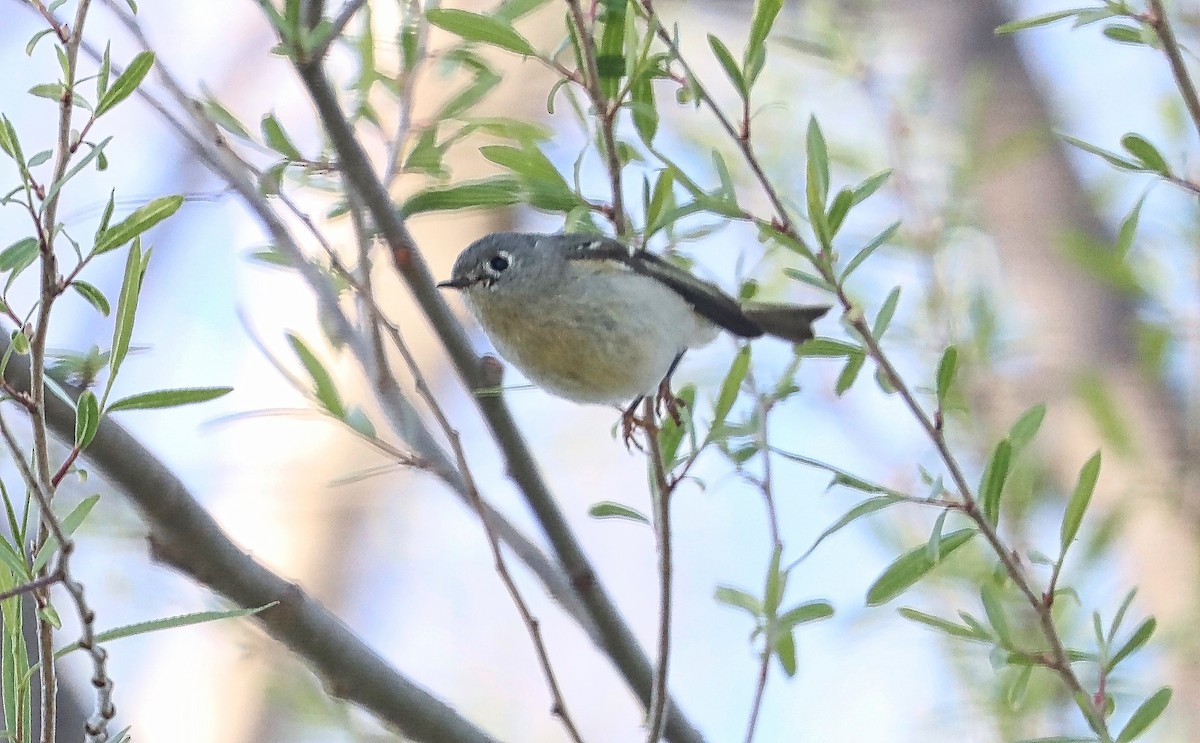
pixel 184 536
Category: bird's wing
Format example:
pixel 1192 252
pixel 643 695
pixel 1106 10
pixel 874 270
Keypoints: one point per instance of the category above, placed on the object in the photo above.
pixel 705 298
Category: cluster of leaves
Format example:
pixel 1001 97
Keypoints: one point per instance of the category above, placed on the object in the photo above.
pixel 42 179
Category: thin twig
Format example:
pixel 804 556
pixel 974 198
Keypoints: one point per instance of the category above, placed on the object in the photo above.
pixel 656 715
pixel 1060 663
pixel 406 82
pixel 1157 18
pixel 614 636
pixel 606 113
pixel 765 486
pixel 485 513
pixel 38 583
pixel 760 688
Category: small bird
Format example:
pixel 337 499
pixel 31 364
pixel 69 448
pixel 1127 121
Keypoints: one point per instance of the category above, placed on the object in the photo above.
pixel 587 319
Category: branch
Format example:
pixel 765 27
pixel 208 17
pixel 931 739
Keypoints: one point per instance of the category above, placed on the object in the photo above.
pixel 1157 18
pixel 615 637
pixel 184 536
pixel 661 492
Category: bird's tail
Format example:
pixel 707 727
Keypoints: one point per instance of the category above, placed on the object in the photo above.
pixel 791 322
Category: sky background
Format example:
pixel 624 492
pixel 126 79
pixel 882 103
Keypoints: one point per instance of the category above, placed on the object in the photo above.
pixel 420 587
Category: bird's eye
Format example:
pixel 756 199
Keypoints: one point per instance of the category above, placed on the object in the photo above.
pixel 498 263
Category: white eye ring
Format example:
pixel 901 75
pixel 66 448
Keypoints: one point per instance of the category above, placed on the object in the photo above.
pixel 499 263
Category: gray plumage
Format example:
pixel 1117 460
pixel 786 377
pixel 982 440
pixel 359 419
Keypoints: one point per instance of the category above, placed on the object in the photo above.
pixel 587 319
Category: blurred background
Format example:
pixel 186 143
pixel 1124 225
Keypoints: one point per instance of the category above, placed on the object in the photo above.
pixel 1005 250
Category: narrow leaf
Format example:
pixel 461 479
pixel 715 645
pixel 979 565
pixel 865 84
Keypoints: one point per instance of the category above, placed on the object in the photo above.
pixel 809 611
pixel 738 599
pixel 995 474
pixel 87 418
pixel 730 387
pixel 1147 153
pixel 1140 637
pixel 1145 715
pixel 323 386
pixel 481 28
pixel 868 249
pixel 142 219
pixel 1078 504
pixel 127 302
pixel 1027 426
pixel 156 625
pixel 70 523
pixel 910 567
pixel 126 83
pixel 946 371
pixel 93 295
pixel 1038 20
pixel 942 625
pixel 168 398
pixel 869 506
pixel 612 510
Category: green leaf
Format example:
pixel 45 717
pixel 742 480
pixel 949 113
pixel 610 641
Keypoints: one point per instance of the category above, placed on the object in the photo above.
pixel 1146 153
pixel 946 371
pixel 87 418
pixel 156 625
pixel 1129 229
pixel 486 193
pixel 809 611
pixel 991 485
pixel 92 153
pixel 1124 34
pixel 104 74
pixel 52 91
pixel 765 12
pixel 738 599
pixel 869 186
pixel 1111 157
pixel 612 510
pixel 730 387
pixel 775 584
pixel 1026 427
pixel 784 647
pixel 849 373
pixel 127 301
pixel 480 28
pixel 642 107
pixel 993 608
pixel 19 256
pixel 1140 637
pixel 910 567
pixel 1078 504
pixel 871 246
pixel 838 210
pixel 69 523
pixel 126 83
pixel 278 140
pixel 1038 20
pixel 223 118
pixel 828 348
pixel 817 181
pixel 725 58
pixel 168 398
pixel 869 506
pixel 142 219
pixel 9 142
pixel 323 386
pixel 943 625
pixel 1145 715
pixel 884 318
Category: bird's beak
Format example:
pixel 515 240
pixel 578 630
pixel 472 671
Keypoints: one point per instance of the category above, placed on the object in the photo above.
pixel 462 282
